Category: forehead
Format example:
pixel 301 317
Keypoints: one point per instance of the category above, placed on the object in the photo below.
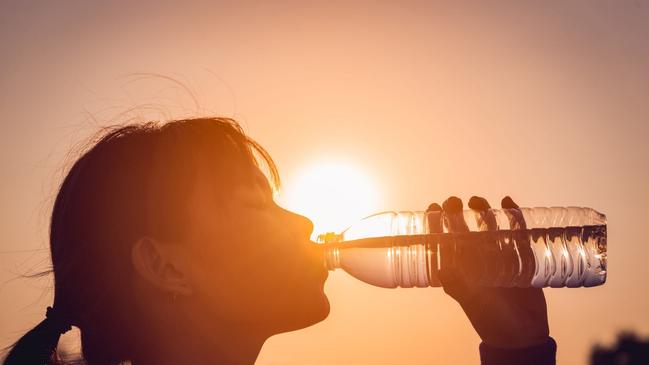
pixel 211 194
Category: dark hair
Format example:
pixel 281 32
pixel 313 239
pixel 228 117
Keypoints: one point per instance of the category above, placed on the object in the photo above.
pixel 134 181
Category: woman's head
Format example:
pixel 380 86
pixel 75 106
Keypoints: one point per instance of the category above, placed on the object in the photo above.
pixel 175 223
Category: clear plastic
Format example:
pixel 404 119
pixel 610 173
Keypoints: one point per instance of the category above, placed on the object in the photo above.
pixel 523 247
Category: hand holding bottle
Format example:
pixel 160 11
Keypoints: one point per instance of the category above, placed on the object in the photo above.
pixel 502 317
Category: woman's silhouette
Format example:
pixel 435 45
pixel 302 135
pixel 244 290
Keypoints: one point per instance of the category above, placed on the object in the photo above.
pixel 167 248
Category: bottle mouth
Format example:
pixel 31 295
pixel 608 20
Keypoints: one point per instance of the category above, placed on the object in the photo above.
pixel 332 258
pixel 329 237
pixel 331 254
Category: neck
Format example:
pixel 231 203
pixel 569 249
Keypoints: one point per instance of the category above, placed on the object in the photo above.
pixel 195 342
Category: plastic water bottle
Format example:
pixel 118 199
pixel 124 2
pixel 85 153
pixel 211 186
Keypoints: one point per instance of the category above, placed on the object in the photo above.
pixel 522 247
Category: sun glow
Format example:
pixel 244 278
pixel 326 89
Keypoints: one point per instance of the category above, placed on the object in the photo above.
pixel 332 195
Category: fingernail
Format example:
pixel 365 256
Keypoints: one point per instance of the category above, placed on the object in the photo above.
pixel 478 203
pixel 452 205
pixel 507 202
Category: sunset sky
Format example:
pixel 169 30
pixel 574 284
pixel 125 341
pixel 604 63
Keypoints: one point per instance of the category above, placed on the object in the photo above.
pixel 411 101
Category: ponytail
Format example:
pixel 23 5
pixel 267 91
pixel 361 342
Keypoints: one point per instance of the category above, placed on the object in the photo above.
pixel 37 347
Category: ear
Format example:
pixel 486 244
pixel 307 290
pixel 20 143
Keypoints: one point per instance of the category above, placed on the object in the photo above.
pixel 161 265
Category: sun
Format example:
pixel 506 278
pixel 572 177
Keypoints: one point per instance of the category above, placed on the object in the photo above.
pixel 333 195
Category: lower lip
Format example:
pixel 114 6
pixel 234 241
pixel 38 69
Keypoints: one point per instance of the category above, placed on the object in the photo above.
pixel 325 274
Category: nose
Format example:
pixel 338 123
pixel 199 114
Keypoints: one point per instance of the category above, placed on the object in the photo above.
pixel 303 224
pixel 304 228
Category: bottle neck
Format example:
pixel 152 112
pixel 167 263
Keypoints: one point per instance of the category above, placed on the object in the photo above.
pixel 332 258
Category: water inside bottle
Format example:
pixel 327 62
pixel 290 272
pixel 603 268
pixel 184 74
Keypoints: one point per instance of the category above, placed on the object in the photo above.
pixel 538 257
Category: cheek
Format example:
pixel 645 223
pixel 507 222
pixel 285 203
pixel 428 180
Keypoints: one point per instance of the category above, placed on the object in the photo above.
pixel 234 280
pixel 262 285
pixel 257 274
pixel 288 288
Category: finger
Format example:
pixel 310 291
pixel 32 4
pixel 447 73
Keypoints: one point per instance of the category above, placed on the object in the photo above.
pixel 485 218
pixel 434 218
pixel 434 214
pixel 524 252
pixel 453 215
pixel 487 261
pixel 508 203
pixel 479 203
pixel 514 214
pixel 451 276
pixel 452 205
pixel 434 207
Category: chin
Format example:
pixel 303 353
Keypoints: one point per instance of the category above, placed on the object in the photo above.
pixel 324 310
pixel 307 315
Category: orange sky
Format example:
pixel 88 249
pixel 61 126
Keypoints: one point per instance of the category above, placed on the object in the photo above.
pixel 545 103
